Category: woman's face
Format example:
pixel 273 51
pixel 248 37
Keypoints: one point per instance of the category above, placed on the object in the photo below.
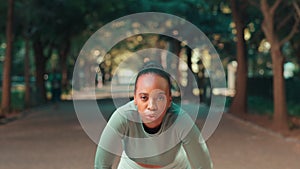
pixel 152 98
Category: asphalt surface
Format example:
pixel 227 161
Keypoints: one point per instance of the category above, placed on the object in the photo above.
pixel 51 137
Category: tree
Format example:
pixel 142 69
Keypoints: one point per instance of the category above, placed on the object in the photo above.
pixel 6 83
pixel 27 73
pixel 273 26
pixel 74 22
pixel 39 24
pixel 40 64
pixel 47 26
pixel 296 39
pixel 239 103
pixel 25 32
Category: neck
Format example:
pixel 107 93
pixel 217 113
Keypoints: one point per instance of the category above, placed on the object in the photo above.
pixel 151 130
pixel 152 124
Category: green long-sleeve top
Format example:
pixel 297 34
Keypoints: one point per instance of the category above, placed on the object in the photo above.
pixel 125 132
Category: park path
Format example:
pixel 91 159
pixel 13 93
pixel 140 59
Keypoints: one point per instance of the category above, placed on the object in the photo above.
pixel 50 137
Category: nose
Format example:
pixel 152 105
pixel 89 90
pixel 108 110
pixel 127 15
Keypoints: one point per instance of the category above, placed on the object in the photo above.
pixel 152 104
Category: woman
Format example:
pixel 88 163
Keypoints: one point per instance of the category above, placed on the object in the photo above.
pixel 151 131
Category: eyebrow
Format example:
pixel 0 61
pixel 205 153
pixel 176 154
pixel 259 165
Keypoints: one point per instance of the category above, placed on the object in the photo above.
pixel 139 93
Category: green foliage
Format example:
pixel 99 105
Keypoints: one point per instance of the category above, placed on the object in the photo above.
pixel 3 14
pixel 260 105
pixel 58 21
pixel 17 99
pixel 294 109
pixel 228 102
pixel 264 106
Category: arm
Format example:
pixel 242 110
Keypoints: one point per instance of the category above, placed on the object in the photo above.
pixel 104 159
pixel 196 150
pixel 193 143
pixel 110 144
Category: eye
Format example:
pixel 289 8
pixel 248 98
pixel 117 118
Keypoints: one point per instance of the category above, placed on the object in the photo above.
pixel 144 97
pixel 161 98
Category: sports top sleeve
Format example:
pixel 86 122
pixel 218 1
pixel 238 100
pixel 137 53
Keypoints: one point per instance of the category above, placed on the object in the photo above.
pixel 195 147
pixel 110 144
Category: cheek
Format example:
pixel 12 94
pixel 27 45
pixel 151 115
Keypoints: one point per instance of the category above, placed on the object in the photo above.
pixel 163 105
pixel 141 106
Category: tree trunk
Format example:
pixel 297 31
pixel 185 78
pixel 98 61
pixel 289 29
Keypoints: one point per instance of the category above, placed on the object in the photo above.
pixel 296 47
pixel 239 103
pixel 279 98
pixel 280 109
pixel 27 74
pixel 40 71
pixel 188 90
pixel 174 48
pixel 6 83
pixel 64 65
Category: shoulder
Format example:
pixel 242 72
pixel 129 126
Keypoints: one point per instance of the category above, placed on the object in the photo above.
pixel 123 113
pixel 173 114
pixel 127 107
pixel 183 122
pixel 121 117
pixel 176 110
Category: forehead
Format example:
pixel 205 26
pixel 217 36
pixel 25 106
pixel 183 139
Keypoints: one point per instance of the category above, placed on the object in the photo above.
pixel 151 81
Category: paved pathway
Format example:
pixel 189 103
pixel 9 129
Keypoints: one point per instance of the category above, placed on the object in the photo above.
pixel 52 138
